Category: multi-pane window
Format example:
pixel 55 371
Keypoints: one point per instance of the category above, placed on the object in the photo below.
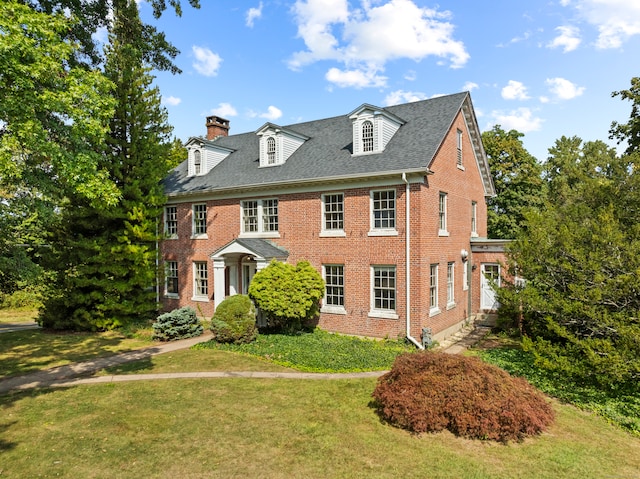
pixel 271 151
pixel 197 162
pixel 171 277
pixel 260 216
pixel 384 288
pixel 200 279
pixel 384 209
pixel 171 221
pixel 333 211
pixel 250 216
pixel 442 212
pixel 450 283
pixel 433 286
pixel 334 285
pixel 199 219
pixel 459 148
pixel 367 136
pixel 474 212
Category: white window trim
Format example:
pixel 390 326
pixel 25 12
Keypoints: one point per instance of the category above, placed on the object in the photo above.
pixel 173 235
pixel 196 296
pixel 373 231
pixel 451 285
pixel 382 313
pixel 443 231
pixel 195 235
pixel 474 219
pixel 166 282
pixel 332 308
pixel 331 233
pixel 459 153
pixel 465 275
pixel 434 308
pixel 260 233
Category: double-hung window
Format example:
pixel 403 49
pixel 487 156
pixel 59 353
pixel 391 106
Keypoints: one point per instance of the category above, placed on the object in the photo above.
pixel 383 212
pixel 367 136
pixel 199 220
pixel 197 162
pixel 333 214
pixel 433 289
pixel 474 218
pixel 171 221
pixel 200 281
pixel 383 292
pixel 171 278
pixel 451 285
pixel 334 288
pixel 260 216
pixel 271 151
pixel 442 215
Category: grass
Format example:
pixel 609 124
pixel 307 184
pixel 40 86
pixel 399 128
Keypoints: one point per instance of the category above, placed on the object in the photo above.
pixel 20 315
pixel 319 351
pixel 618 408
pixel 275 429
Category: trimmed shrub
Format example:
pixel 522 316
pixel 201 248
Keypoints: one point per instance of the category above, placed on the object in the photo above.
pixel 178 324
pixel 430 392
pixel 235 320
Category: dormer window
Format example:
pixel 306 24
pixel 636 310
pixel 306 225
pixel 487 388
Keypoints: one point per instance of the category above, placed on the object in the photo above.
pixel 367 136
pixel 197 162
pixel 271 151
pixel 373 128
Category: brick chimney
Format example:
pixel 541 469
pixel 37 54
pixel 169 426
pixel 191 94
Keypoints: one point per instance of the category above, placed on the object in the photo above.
pixel 216 127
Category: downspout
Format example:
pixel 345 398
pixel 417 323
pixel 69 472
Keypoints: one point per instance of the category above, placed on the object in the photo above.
pixel 407 232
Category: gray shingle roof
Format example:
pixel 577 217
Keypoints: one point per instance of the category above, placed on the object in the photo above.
pixel 327 153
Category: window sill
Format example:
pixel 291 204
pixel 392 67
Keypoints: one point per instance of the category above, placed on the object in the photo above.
pixel 383 233
pixel 333 234
pixel 200 299
pixel 270 234
pixel 450 306
pixel 434 312
pixel 333 310
pixel 443 233
pixel 460 167
pixel 172 237
pixel 172 296
pixel 200 236
pixel 383 314
pixel 474 234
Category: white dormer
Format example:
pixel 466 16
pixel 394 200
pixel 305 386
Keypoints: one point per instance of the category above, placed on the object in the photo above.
pixel 277 144
pixel 373 127
pixel 203 156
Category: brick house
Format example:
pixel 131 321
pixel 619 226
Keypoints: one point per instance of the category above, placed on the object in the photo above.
pixel 387 203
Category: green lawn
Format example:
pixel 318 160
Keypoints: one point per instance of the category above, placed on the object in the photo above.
pixel 22 315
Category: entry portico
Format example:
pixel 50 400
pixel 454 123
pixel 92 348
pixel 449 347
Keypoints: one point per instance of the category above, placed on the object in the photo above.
pixel 235 264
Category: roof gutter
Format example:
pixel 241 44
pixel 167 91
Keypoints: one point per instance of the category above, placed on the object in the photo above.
pixel 407 274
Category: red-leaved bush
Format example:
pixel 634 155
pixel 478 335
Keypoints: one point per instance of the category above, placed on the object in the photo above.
pixel 429 392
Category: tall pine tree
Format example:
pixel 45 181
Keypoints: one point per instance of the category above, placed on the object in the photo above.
pixel 109 254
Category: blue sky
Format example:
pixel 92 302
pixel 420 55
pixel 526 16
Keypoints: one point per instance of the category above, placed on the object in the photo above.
pixel 546 68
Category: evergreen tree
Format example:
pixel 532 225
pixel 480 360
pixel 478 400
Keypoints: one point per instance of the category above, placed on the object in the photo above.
pixel 516 177
pixel 109 254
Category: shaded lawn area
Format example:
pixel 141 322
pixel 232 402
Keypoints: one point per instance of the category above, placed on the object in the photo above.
pixel 238 428
pixel 21 315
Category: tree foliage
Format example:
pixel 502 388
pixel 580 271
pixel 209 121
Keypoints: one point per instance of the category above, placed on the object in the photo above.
pixel 516 177
pixel 288 295
pixel 106 256
pixel 629 132
pixel 581 299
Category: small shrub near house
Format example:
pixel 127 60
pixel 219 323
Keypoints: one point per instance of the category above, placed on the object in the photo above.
pixel 235 321
pixel 430 392
pixel 178 324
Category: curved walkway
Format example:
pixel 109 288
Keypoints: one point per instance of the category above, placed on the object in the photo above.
pixel 74 374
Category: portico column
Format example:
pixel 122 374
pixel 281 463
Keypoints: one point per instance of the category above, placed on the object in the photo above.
pixel 218 281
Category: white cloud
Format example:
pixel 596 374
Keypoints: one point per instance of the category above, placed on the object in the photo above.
pixel 355 78
pixel 224 110
pixel 568 39
pixel 365 39
pixel 616 20
pixel 171 100
pixel 272 113
pixel 564 89
pixel 400 96
pixel 207 63
pixel 411 75
pixel 521 120
pixel 470 86
pixel 515 90
pixel 253 14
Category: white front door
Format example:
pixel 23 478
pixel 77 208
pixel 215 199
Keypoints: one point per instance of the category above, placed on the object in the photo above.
pixel 248 270
pixel 489 279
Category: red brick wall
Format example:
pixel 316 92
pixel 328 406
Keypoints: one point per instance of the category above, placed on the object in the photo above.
pixel 300 224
